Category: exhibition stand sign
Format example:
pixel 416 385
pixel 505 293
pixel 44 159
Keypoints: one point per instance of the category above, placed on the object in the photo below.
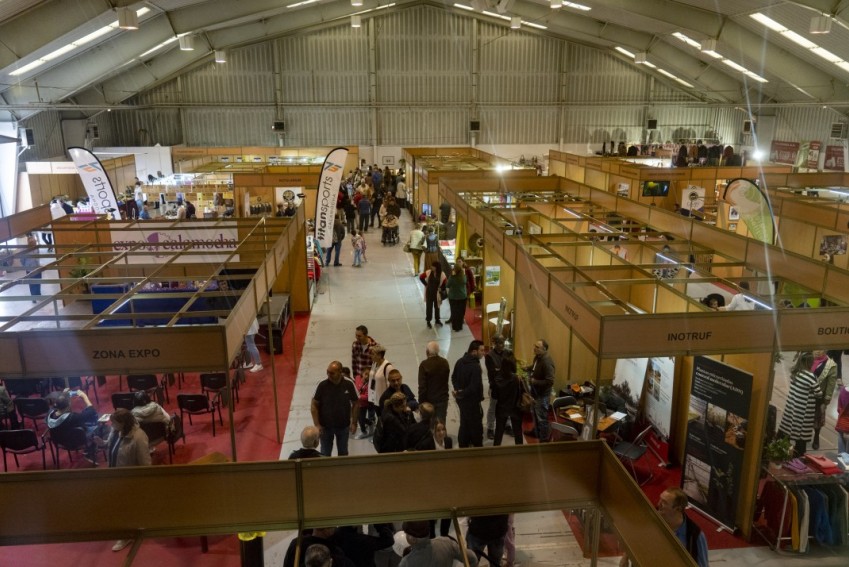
pixel 328 189
pixel 716 438
pixel 152 241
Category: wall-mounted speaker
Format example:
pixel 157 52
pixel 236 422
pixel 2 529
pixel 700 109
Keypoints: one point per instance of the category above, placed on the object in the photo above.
pixel 27 137
pixel 278 126
pixel 838 130
pixel 92 132
pixel 748 126
pixel 475 126
pixel 651 124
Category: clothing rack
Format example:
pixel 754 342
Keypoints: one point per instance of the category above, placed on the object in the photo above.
pixel 787 480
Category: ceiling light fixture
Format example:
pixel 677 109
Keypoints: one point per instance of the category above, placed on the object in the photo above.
pixel 556 4
pixel 88 38
pixel 127 19
pixel 464 7
pixel 801 41
pixel 577 6
pixel 356 21
pixel 708 47
pixel 187 43
pixel 624 51
pixel 220 56
pixel 640 58
pixel 821 24
pixel 356 3
pixel 515 22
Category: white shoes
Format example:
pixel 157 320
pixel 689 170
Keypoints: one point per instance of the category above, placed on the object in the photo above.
pixel 256 368
pixel 121 544
pixel 361 435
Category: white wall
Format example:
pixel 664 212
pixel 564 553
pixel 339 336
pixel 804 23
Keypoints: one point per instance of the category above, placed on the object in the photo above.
pixel 8 168
pixel 149 159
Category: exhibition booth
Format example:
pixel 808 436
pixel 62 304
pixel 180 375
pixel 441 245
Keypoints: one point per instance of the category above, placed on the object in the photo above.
pixel 631 322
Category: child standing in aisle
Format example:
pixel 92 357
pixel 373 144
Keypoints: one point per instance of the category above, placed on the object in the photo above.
pixel 359 245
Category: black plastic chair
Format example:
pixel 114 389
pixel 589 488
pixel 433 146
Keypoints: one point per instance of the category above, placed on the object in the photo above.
pixel 67 439
pixel 631 452
pixel 22 442
pixel 216 382
pixel 199 404
pixel 151 384
pixel 124 400
pixel 35 409
pixel 23 387
pixel 158 433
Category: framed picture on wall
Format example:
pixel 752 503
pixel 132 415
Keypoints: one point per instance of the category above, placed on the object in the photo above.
pixel 733 214
pixel 388 160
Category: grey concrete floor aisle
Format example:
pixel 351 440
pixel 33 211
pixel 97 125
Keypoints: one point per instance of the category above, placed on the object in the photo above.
pixel 384 296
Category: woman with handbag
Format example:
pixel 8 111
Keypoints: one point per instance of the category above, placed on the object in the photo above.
pixel 415 246
pixel 507 390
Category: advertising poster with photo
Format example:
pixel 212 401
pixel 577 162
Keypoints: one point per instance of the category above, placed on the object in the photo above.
pixel 660 376
pixel 834 158
pixel 716 438
pixel 784 152
pixel 629 378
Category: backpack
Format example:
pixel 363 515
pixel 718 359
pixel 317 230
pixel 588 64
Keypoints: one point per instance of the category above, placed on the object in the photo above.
pixel 378 436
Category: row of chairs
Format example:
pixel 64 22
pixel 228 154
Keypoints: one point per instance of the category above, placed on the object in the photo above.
pixel 214 392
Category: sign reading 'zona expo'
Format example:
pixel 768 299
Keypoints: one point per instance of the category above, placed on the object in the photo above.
pixel 157 241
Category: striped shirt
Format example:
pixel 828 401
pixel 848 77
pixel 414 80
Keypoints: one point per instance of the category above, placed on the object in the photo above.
pixel 798 419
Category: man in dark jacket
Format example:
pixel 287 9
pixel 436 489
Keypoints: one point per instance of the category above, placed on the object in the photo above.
pixel 542 380
pixel 396 384
pixel 338 237
pixel 467 380
pixel 488 532
pixel 359 547
pixel 434 372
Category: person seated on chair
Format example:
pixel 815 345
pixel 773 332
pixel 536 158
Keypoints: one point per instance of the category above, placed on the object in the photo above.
pixel 146 410
pixel 309 442
pixel 7 408
pixel 62 418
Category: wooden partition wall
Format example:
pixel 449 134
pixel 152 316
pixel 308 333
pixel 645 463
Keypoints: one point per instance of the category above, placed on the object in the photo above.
pixel 121 172
pixel 287 495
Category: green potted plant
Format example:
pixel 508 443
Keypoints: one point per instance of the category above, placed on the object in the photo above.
pixel 80 271
pixel 777 451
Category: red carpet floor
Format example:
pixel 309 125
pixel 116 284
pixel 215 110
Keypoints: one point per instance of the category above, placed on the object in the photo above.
pixel 256 440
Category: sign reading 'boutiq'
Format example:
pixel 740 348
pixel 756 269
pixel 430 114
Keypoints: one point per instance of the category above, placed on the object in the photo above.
pixel 149 245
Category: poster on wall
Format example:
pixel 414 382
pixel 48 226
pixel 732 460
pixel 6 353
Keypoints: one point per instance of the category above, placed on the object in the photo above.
pixel 716 438
pixel 813 155
pixel 629 378
pixel 692 199
pixel 660 376
pixel 492 276
pixel 784 152
pixel 834 158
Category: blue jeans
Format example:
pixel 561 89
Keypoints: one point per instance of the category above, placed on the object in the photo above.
pixel 335 246
pixel 326 439
pixel 494 547
pixel 253 352
pixel 541 404
pixel 358 257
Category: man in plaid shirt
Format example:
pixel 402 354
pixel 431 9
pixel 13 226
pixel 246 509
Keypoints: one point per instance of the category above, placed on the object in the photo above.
pixel 361 362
